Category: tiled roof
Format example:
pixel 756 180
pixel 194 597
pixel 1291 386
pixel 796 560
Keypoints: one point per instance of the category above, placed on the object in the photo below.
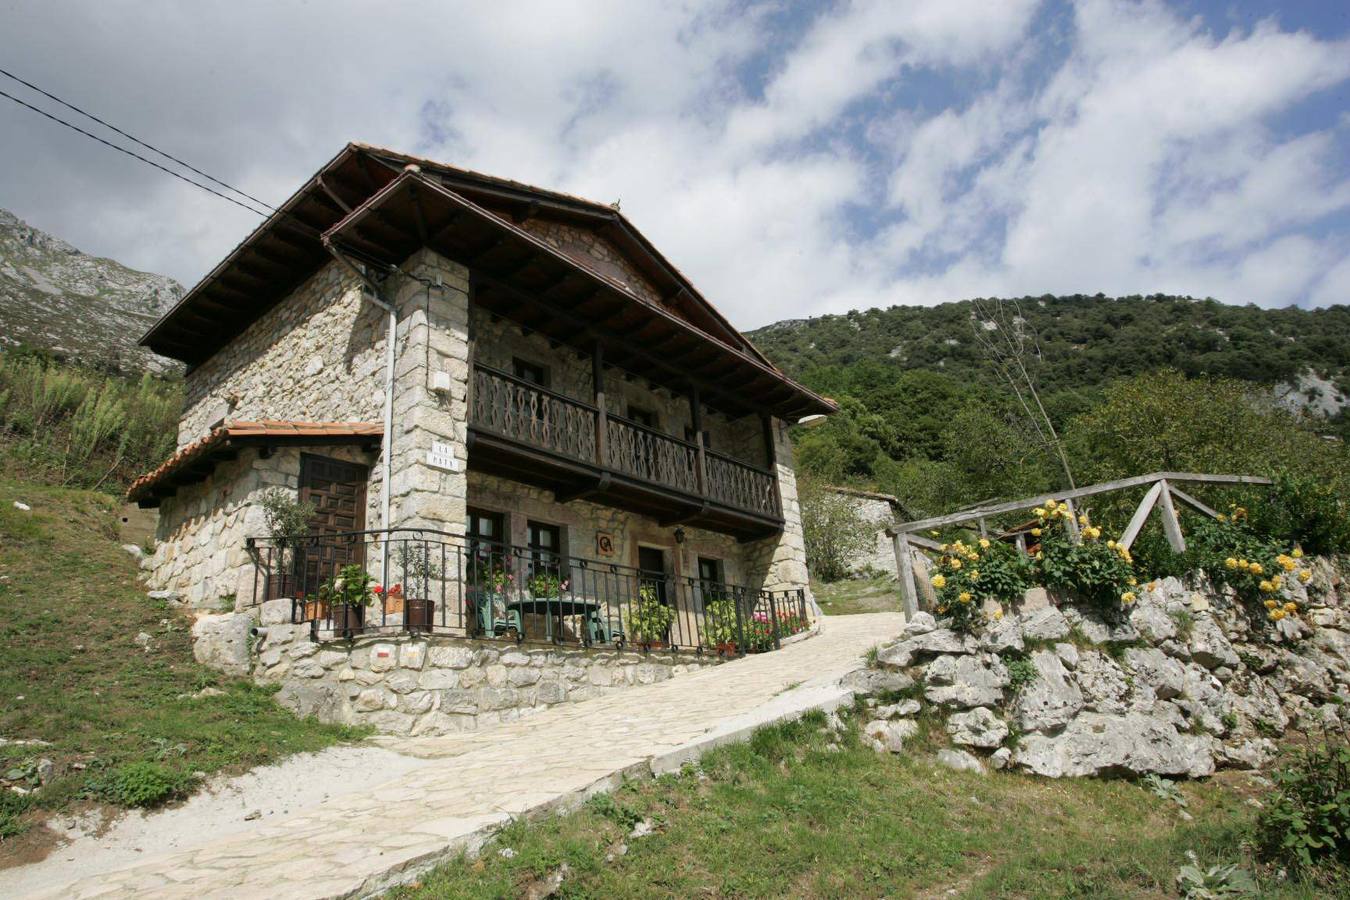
pixel 222 435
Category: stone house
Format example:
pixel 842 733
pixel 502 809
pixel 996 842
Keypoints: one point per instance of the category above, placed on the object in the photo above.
pixel 502 399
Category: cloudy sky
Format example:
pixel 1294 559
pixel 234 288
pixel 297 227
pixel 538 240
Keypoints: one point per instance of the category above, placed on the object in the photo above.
pixel 794 159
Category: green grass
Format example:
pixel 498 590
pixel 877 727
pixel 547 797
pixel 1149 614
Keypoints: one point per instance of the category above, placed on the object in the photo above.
pixel 857 595
pixel 781 816
pixel 122 724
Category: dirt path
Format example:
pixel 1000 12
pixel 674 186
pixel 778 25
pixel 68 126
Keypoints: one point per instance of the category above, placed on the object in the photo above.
pixel 453 792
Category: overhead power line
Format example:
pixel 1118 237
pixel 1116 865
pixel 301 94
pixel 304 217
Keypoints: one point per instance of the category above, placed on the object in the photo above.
pixel 132 137
pixel 134 155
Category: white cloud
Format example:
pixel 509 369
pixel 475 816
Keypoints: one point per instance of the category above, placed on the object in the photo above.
pixel 1139 156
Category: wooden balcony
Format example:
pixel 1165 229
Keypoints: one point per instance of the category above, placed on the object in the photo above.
pixel 579 450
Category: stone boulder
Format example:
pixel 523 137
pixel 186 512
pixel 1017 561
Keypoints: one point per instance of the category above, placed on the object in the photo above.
pixel 1209 646
pixel 965 681
pixel 1101 744
pixel 1102 682
pixel 921 623
pixel 869 682
pixel 978 727
pixel 222 641
pixel 1152 621
pixel 1052 700
pixel 960 760
pixel 903 654
pixel 1097 629
pixel 889 737
pixel 1003 635
pixel 1045 624
pixel 1157 671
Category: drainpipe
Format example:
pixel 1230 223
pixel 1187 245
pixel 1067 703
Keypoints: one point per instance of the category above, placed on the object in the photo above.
pixel 372 293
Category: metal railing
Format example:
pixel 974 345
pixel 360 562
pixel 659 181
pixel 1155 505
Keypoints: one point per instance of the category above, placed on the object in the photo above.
pixel 435 582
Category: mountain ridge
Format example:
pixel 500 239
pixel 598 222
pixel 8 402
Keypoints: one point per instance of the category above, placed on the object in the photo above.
pixel 86 309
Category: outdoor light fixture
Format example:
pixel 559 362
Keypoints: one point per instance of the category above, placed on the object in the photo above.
pixel 679 535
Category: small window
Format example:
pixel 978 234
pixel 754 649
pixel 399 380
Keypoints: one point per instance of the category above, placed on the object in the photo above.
pixel 689 436
pixel 487 540
pixel 545 548
pixel 531 372
pixel 709 569
pixel 644 417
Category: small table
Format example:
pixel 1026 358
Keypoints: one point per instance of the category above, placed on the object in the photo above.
pixel 560 606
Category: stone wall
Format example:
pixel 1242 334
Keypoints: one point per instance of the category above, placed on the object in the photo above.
pixel 437 685
pixel 200 554
pixel 1183 684
pixel 880 511
pixel 782 558
pixel 318 356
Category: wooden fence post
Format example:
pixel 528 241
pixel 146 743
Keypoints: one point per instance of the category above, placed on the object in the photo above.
pixel 1171 524
pixel 1140 515
pixel 904 565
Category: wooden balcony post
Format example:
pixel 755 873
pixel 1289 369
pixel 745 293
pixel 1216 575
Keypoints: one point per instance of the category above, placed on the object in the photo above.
pixel 602 415
pixel 696 416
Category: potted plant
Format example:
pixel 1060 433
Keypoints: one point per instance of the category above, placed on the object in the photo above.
pixel 492 582
pixel 545 585
pixel 348 594
pixel 650 619
pixel 420 568
pixel 287 522
pixel 719 624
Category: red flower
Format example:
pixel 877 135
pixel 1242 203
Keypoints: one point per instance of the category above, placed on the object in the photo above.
pixel 378 589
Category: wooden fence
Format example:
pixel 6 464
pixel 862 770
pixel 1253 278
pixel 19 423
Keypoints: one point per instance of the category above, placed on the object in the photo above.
pixel 1163 494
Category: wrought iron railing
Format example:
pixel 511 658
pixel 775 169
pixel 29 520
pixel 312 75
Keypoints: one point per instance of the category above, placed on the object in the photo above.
pixel 439 583
pixel 541 419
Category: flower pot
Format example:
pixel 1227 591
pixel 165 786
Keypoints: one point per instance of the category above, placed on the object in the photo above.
pixel 726 648
pixel 315 609
pixel 652 645
pixel 348 619
pixel 419 613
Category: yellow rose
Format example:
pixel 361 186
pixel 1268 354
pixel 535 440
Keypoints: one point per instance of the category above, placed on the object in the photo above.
pixel 1243 564
pixel 984 543
pixel 1111 545
pixel 1304 575
pixel 1271 604
pixel 1222 517
pixel 1231 563
pixel 939 581
pixel 1035 532
pixel 1255 569
pixel 998 614
pixel 964 597
pixel 1040 554
pixel 974 574
pixel 1040 513
pixel 1132 581
pixel 1278 580
pixel 1266 587
pixel 1127 598
pixel 1291 606
pixel 956 563
pixel 1298 553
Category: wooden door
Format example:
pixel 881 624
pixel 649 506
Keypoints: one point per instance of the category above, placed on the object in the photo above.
pixel 338 491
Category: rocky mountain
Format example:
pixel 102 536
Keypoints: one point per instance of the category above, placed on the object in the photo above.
pixel 82 308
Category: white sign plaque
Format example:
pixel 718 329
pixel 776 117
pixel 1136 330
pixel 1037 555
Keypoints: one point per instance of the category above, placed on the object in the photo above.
pixel 442 456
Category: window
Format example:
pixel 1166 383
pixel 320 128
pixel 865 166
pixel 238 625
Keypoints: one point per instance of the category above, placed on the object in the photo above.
pixel 487 543
pixel 709 569
pixel 531 372
pixel 689 436
pixel 642 416
pixel 545 549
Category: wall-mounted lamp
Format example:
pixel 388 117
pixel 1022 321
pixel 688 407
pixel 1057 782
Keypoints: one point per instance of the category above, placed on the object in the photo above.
pixel 679 535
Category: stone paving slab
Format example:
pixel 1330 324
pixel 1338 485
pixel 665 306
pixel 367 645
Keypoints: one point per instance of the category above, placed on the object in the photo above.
pixel 362 843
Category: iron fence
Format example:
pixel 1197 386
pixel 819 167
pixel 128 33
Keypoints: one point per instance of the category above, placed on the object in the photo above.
pixel 434 582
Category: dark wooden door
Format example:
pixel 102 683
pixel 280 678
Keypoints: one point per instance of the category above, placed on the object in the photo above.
pixel 338 491
pixel 652 566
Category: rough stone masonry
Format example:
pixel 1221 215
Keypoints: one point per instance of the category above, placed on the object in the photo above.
pixel 1181 686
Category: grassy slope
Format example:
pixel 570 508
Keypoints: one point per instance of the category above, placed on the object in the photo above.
pixel 781 816
pixel 857 595
pixel 72 674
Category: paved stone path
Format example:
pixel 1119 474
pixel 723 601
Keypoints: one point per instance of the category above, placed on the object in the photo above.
pixel 360 843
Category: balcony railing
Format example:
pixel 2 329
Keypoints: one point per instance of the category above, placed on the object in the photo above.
pixel 540 419
pixel 438 583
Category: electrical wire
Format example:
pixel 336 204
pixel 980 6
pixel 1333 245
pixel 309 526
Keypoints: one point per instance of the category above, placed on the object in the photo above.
pixel 130 137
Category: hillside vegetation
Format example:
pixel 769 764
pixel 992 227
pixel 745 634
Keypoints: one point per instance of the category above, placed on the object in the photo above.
pixel 1129 386
pixel 100 697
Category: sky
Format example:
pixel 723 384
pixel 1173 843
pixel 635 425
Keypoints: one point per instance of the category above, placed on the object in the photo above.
pixel 793 159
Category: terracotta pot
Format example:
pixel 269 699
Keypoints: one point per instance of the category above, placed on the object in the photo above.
pixel 727 648
pixel 652 645
pixel 315 609
pixel 348 619
pixel 419 613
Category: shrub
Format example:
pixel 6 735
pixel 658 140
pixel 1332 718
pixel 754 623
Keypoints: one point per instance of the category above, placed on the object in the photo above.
pixel 970 575
pixel 144 784
pixel 1230 551
pixel 350 587
pixel 1100 574
pixel 834 530
pixel 1305 510
pixel 1308 820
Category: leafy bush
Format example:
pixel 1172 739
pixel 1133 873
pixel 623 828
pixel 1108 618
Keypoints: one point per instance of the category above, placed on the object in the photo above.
pixel 1021 671
pixel 650 619
pixel 1307 822
pixel 970 575
pixel 1100 574
pixel 144 784
pixel 719 621
pixel 1306 510
pixel 81 428
pixel 834 531
pixel 350 587
pixel 1214 883
pixel 1231 552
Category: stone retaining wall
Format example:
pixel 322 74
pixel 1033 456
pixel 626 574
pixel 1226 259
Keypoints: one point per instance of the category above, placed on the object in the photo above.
pixel 421 685
pixel 1181 685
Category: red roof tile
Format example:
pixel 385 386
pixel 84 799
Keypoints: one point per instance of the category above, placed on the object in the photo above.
pixel 253 432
